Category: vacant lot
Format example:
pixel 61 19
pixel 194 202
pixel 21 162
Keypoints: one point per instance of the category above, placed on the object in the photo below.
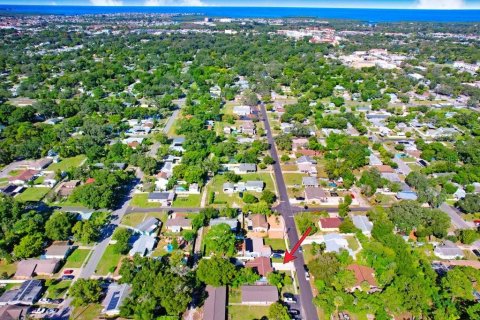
pixel 132 219
pixel 67 163
pixel 246 312
pixel 140 200
pixel 32 194
pixel 76 258
pixel 109 261
pixel 190 201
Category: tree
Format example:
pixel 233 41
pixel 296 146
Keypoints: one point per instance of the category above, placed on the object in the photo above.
pixel 216 271
pixel 324 267
pixel 347 226
pixel 220 239
pixel 278 311
pixel 268 160
pixel 29 246
pixel 470 204
pixel 85 232
pixel 59 226
pixel 85 291
pixel 268 196
pixel 276 279
pixel 121 236
pixel 249 198
pixel 468 236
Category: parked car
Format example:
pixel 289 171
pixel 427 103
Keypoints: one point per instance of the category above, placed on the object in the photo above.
pixel 307 276
pixel 45 301
pixel 277 256
pixel 52 310
pixel 57 301
pixel 476 252
pixel 294 312
pixel 289 298
pixel 68 277
pixel 39 311
pixel 282 252
pixel 68 271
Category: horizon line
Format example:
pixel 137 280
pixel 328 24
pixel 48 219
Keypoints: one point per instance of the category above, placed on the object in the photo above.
pixel 246 6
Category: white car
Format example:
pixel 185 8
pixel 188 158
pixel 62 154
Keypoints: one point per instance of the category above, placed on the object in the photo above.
pixel 39 311
pixel 307 276
pixel 45 301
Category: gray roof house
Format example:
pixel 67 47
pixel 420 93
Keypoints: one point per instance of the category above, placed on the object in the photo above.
pixel 309 182
pixel 362 223
pixel 306 159
pixel 148 226
pixel 233 223
pixel 247 167
pixel 28 293
pixel 256 185
pixel 116 294
pixel 164 198
pixel 143 246
pixel 214 307
pixel 14 312
pixel 259 295
pixel 448 250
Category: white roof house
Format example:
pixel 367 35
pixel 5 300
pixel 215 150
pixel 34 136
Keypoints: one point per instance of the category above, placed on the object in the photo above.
pixel 143 246
pixel 242 110
pixel 362 223
pixel 448 251
pixel 116 294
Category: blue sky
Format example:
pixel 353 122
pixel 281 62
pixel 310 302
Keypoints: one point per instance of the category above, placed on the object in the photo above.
pixel 410 4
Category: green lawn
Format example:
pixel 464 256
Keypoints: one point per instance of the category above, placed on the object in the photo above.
pixel 89 312
pixel 276 244
pixel 233 200
pixel 76 258
pixel 293 178
pixel 234 295
pixel 32 194
pixel 246 312
pixel 132 219
pixel 58 289
pixel 190 201
pixel 67 163
pixel 140 200
pixel 352 242
pixel 108 262
pixel 9 268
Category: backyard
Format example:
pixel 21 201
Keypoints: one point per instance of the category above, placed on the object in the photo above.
pixel 67 163
pixel 239 312
pixel 32 194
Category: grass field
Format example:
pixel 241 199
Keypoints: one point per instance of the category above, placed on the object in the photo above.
pixel 132 219
pixel 108 262
pixel 293 178
pixel 9 268
pixel 246 312
pixel 233 200
pixel 76 258
pixel 276 244
pixel 89 312
pixel 190 201
pixel 67 163
pixel 32 194
pixel 58 290
pixel 140 200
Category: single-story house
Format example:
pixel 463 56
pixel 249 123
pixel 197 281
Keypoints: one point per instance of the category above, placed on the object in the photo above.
pixel 14 312
pixel 148 226
pixel 448 250
pixel 309 182
pixel 247 168
pixel 308 168
pixel 214 307
pixel 28 294
pixel 299 143
pixel 362 223
pixel 330 224
pixel 335 242
pixel 259 223
pixel 116 294
pixel 277 229
pixel 363 275
pixel 259 295
pixel 177 144
pixel 406 195
pixel 66 188
pixel 232 223
pixel 306 159
pixel 143 246
pixel 255 186
pixel 178 224
pixel 27 269
pixel 248 128
pixel 24 177
pixel 165 199
pixel 58 250
pixel 242 110
pixel 262 265
pixel 384 168
pixel 254 247
pixel 40 164
pixel 315 195
pixel 12 190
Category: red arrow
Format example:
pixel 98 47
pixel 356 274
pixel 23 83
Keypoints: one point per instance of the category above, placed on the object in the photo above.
pixel 289 255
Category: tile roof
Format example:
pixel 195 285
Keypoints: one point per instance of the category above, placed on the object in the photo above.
pixel 214 307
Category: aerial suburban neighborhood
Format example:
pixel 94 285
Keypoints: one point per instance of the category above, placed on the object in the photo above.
pixel 175 166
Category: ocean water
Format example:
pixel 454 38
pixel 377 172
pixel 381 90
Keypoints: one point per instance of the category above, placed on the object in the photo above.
pixel 372 15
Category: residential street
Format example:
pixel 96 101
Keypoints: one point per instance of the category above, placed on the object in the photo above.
pixel 309 311
pixel 457 220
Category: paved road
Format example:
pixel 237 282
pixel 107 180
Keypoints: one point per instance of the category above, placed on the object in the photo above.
pixel 402 166
pixel 455 217
pixel 309 311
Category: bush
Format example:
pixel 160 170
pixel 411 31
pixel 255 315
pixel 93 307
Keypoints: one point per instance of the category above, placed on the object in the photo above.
pixel 249 198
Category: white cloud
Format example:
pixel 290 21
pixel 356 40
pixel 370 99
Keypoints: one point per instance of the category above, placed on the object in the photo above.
pixel 157 3
pixel 107 3
pixel 441 4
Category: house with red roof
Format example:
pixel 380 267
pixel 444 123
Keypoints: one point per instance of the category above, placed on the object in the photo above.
pixel 330 224
pixel 364 276
pixel 262 265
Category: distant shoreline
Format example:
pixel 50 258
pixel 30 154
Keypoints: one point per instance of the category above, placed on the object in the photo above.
pixel 373 15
